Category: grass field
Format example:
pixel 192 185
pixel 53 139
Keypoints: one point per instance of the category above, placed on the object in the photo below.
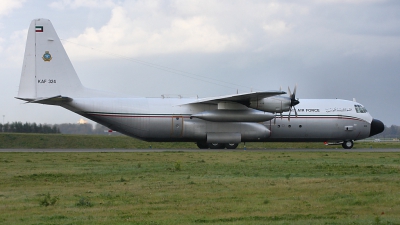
pixel 63 141
pixel 221 187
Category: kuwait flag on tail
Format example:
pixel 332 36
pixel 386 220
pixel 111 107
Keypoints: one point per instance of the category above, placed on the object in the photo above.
pixel 39 28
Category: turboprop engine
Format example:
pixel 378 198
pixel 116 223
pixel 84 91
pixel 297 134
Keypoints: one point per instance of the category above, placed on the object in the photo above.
pixel 276 104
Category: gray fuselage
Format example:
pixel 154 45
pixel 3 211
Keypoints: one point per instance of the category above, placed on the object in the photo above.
pixel 168 119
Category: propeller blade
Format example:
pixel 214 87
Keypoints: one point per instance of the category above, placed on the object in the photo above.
pixel 294 91
pixel 293 101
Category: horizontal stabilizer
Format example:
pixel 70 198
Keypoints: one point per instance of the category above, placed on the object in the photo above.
pixel 55 100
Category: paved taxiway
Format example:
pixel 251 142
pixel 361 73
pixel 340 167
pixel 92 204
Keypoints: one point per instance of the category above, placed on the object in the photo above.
pixel 201 150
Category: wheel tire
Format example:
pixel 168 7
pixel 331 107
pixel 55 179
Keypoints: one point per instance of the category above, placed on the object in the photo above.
pixel 231 145
pixel 348 144
pixel 202 145
pixel 216 146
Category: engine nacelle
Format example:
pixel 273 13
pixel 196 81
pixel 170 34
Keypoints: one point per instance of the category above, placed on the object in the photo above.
pixel 276 104
pixel 227 115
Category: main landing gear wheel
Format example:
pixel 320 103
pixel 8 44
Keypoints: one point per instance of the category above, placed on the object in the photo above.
pixel 231 145
pixel 216 146
pixel 347 144
pixel 202 145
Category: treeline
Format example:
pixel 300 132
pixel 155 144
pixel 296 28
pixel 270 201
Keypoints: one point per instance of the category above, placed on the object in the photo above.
pixel 64 128
pixel 390 132
pixel 19 127
pixel 87 128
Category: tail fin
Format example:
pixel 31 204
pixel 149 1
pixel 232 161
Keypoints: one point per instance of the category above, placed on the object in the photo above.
pixel 47 70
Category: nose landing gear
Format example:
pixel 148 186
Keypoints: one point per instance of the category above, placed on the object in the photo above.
pixel 348 144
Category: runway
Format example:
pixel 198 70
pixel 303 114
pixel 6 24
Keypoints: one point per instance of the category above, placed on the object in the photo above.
pixel 202 150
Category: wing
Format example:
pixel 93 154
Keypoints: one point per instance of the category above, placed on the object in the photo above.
pixel 243 99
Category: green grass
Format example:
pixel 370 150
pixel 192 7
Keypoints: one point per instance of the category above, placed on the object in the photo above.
pixel 63 141
pixel 218 187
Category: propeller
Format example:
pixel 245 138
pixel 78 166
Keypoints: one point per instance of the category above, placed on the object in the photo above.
pixel 275 117
pixel 293 101
pixel 275 112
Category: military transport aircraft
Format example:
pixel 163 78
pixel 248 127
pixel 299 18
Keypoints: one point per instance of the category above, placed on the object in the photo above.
pixel 48 77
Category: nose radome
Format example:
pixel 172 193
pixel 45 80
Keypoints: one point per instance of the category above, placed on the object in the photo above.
pixel 376 127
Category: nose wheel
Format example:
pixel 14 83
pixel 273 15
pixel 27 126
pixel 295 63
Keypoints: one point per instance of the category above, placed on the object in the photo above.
pixel 348 144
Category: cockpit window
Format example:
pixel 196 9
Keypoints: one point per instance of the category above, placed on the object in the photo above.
pixel 360 109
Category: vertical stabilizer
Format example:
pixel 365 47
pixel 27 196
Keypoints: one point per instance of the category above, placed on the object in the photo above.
pixel 47 70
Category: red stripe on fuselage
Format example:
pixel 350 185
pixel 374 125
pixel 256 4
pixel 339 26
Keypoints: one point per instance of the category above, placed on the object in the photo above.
pixel 134 116
pixel 172 116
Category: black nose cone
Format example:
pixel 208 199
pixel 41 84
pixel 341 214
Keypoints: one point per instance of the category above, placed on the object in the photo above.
pixel 376 127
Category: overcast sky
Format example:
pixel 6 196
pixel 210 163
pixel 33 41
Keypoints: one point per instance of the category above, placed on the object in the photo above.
pixel 330 48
